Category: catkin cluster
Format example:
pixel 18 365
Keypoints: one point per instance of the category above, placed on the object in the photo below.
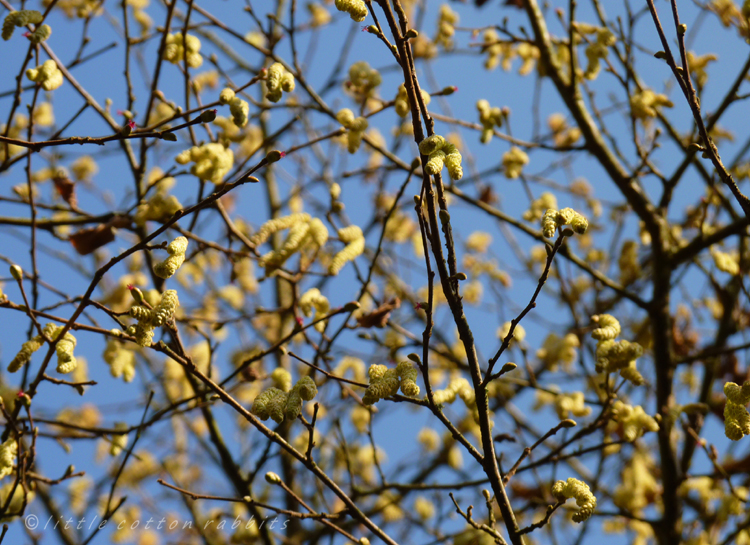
pixel 736 417
pixel 726 262
pixel 48 75
pixel 401 102
pixel 386 382
pixel 278 79
pixel 446 27
pixel 513 162
pixel 319 15
pixel 239 108
pixel 277 404
pixel 553 219
pixel 489 118
pixel 151 318
pixel 176 50
pixel 633 420
pixel 169 266
pixel 612 355
pixel 8 453
pixel 457 387
pixel 313 300
pixel 66 361
pixel 643 104
pixel 596 50
pixel 20 18
pixel 24 355
pixel 439 153
pixel 355 126
pixel 212 161
pixel 354 239
pixel 304 232
pixel 556 350
pixel 355 8
pixel 121 361
pixel 160 207
pixel 578 490
pixel 363 80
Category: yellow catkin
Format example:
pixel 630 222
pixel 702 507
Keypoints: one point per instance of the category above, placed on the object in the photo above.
pixel 212 161
pixel 580 491
pixel 48 75
pixel 169 266
pixel 278 79
pixel 355 8
pixel 736 417
pixel 176 50
pixel 355 245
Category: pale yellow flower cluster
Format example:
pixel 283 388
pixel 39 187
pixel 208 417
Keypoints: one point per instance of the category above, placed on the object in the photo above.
pixel 120 359
pixel 355 8
pixel 278 405
pixel 354 239
pixel 441 153
pixel 278 79
pixel 386 382
pixel 312 301
pixel 553 219
pixel 212 161
pixel 175 50
pixel 176 250
pixel 513 162
pixel 48 75
pixel 633 421
pixel 355 126
pixel 578 490
pixel 612 355
pixel 489 118
pixel 401 102
pixel 151 318
pixel 447 21
pixel 736 417
pixel 319 15
pixel 239 108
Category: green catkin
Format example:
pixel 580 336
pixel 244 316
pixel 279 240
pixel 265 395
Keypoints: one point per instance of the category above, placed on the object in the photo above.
pixel 276 404
pixel 19 19
pixel 386 382
pixel 24 355
pixel 40 34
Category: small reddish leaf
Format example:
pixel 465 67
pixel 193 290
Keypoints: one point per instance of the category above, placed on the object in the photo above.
pixel 86 241
pixel 67 190
pixel 379 316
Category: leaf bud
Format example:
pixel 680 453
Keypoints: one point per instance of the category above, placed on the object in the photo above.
pixel 415 358
pixel 168 136
pixel 568 423
pixel 274 156
pixel 410 34
pixel 351 306
pixel 208 115
pixel 272 478
pixel 16 272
